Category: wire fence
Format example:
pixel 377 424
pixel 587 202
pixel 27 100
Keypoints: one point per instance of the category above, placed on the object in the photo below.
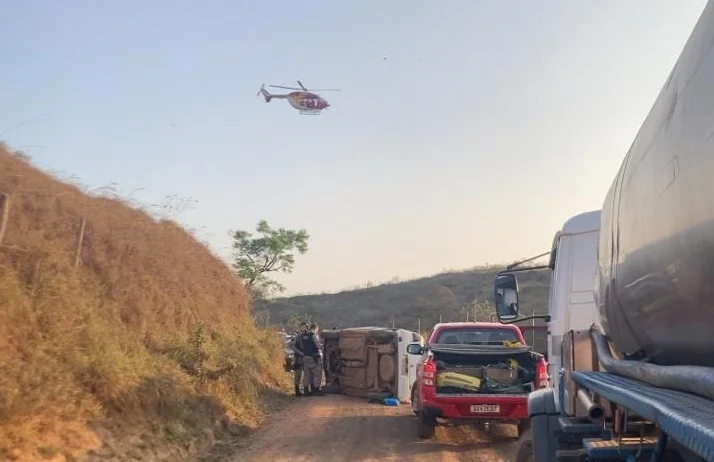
pixel 4 213
pixel 5 210
pixel 477 310
pixel 535 335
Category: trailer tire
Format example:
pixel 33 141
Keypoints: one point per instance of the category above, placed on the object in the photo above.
pixel 426 425
pixel 524 450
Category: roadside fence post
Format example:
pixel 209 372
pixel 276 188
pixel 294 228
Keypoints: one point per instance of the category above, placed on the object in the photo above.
pixel 4 213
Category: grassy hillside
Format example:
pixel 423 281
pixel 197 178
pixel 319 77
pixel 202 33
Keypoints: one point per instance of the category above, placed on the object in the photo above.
pixel 120 334
pixel 406 303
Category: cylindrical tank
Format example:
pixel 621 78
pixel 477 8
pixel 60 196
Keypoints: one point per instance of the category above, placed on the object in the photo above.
pixel 655 282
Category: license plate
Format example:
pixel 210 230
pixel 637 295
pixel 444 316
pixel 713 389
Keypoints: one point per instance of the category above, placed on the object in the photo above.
pixel 485 408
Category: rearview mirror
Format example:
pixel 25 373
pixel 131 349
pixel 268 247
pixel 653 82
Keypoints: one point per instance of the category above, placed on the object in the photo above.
pixel 415 349
pixel 506 294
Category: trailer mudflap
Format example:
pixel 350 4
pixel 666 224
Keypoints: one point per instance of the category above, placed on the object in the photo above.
pixel 685 417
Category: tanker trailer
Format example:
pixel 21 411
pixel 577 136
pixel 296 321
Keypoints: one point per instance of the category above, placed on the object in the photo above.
pixel 643 378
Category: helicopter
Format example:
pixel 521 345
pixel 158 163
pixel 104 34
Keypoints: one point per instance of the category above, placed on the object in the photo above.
pixel 305 101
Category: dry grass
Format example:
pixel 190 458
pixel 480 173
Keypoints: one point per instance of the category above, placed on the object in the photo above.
pixel 145 350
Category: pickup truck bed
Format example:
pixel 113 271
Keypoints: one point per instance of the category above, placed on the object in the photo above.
pixel 475 371
pixel 482 361
pixel 687 418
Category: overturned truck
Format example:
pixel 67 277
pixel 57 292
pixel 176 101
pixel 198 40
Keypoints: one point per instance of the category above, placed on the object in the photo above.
pixel 370 362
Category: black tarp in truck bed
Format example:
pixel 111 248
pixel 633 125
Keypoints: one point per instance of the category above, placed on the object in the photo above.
pixel 476 350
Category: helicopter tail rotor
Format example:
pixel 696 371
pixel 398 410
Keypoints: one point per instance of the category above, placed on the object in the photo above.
pixel 265 93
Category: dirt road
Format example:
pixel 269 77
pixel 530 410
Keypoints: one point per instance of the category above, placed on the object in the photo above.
pixel 340 428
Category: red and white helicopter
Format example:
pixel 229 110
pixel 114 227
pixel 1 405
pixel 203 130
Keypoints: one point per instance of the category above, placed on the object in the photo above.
pixel 302 99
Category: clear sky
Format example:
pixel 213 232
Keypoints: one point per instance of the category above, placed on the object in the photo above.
pixel 487 125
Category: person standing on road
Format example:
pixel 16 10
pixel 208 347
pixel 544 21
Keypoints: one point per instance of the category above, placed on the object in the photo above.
pixel 298 349
pixel 312 361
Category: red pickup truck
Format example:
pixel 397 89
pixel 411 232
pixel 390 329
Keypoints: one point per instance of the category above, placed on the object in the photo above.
pixel 475 371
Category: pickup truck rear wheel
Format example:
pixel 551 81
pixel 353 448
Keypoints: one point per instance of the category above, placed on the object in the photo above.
pixel 524 450
pixel 426 425
pixel 523 426
pixel 415 402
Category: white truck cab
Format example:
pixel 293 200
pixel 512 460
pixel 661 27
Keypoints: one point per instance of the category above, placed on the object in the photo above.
pixel 571 305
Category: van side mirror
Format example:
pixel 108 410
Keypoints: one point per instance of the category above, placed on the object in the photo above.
pixel 506 295
pixel 415 349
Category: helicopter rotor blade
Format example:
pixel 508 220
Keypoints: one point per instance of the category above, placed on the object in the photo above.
pixel 311 89
pixel 299 89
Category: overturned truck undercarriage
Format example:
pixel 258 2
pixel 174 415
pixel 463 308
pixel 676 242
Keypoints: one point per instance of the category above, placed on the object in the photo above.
pixel 365 361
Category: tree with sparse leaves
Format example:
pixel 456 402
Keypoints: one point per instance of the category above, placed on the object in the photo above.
pixel 270 251
pixel 292 324
pixel 482 310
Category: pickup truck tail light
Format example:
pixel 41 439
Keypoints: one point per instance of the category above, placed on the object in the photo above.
pixel 429 373
pixel 542 374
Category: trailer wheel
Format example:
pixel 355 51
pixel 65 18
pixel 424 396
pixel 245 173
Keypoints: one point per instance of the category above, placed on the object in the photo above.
pixel 426 425
pixel 524 450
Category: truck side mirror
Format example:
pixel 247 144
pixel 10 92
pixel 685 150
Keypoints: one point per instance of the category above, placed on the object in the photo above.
pixel 506 294
pixel 415 349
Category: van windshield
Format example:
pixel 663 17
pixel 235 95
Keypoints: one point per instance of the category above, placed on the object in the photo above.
pixel 476 336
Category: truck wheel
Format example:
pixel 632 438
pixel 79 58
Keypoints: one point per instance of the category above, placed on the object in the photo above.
pixel 524 450
pixel 426 426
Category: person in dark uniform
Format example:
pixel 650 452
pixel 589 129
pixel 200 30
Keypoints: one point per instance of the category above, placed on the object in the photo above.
pixel 297 348
pixel 312 362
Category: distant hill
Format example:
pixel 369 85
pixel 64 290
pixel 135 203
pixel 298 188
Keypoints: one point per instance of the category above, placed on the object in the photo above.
pixel 415 303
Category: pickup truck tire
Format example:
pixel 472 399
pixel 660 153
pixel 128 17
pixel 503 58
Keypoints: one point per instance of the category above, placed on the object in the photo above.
pixel 524 450
pixel 523 426
pixel 415 402
pixel 426 425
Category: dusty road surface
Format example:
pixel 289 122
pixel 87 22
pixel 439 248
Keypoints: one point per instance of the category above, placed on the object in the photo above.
pixel 338 428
